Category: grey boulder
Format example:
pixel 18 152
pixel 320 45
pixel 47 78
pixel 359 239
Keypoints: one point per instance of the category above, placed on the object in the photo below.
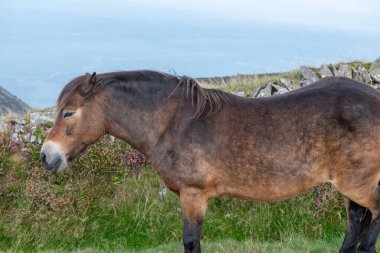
pixel 308 76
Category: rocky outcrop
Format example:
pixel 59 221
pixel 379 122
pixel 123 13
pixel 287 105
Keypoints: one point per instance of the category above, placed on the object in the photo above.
pixel 10 104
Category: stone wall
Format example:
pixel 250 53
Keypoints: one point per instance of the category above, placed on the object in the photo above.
pixel 356 71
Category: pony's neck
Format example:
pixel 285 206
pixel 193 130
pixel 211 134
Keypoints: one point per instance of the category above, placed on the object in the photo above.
pixel 143 114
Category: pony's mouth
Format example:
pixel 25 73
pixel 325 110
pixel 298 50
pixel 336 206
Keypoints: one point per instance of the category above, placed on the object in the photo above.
pixel 79 150
pixel 55 166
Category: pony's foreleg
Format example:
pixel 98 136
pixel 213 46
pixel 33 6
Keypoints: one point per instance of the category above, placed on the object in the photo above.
pixel 358 218
pixel 194 205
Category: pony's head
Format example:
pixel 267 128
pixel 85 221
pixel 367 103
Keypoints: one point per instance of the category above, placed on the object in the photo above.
pixel 80 122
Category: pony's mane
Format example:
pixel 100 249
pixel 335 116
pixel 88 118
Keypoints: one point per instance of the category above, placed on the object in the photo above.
pixel 207 101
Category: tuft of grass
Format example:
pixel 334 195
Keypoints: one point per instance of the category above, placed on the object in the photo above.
pixel 355 64
pixel 248 83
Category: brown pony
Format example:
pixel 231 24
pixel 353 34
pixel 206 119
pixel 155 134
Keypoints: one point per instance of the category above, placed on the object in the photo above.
pixel 206 143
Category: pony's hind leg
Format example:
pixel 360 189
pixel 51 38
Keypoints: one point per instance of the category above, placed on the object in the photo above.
pixel 358 218
pixel 363 188
pixel 368 244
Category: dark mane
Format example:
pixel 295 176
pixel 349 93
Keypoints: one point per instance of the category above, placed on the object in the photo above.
pixel 207 101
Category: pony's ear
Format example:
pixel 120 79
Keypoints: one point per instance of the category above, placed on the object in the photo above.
pixel 89 83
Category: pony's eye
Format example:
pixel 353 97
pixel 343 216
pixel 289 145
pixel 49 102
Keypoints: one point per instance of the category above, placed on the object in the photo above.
pixel 67 115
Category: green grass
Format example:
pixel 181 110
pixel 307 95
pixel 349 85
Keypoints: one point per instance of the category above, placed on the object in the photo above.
pixel 290 244
pixel 355 64
pixel 231 246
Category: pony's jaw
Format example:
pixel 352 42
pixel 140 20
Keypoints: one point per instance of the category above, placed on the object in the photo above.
pixel 53 157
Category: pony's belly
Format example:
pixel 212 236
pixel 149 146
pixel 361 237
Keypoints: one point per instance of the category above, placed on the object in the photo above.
pixel 273 190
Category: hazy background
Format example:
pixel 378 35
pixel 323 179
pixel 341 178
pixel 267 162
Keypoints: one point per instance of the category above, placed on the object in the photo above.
pixel 44 44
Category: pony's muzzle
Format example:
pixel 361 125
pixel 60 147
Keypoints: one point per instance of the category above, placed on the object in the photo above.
pixel 52 158
pixel 54 164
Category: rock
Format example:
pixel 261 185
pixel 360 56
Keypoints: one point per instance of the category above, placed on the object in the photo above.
pixel 270 89
pixel 325 71
pixel 334 70
pixel 374 71
pixel 256 92
pixel 239 93
pixel 163 192
pixel 308 75
pixel 364 74
pixel 356 75
pixel 344 70
pixel 265 91
pixel 42 118
pixel 112 138
pixel 277 89
pixel 288 84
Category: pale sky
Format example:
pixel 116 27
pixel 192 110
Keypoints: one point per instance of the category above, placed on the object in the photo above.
pixel 44 44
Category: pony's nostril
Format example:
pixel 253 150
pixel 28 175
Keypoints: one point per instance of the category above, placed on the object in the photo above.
pixel 43 157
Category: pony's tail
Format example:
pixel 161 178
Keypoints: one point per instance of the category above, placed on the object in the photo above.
pixel 365 223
